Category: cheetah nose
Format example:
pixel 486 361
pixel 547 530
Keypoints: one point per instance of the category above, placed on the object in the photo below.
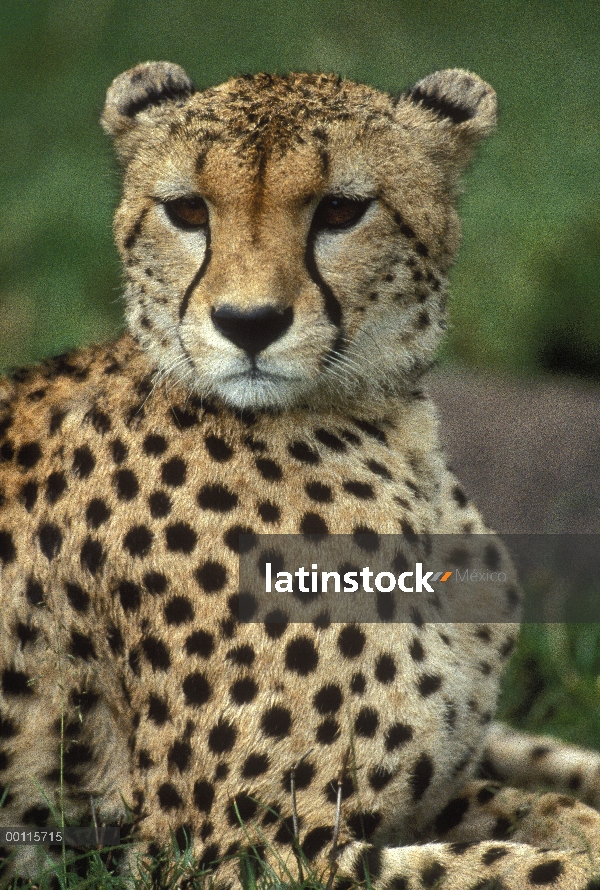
pixel 255 330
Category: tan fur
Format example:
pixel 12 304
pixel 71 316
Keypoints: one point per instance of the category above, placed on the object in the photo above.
pixel 129 471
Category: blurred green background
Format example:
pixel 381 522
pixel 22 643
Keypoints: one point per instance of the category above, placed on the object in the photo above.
pixel 525 287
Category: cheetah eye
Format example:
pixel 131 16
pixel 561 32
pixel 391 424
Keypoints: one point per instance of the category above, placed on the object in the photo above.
pixel 187 213
pixel 337 212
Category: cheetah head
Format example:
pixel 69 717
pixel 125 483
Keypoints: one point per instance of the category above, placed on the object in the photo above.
pixel 287 240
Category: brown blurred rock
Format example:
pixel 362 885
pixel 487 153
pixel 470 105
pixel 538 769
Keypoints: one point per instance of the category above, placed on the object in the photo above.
pixel 528 453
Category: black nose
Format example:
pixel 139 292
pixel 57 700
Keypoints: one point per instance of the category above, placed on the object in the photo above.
pixel 252 331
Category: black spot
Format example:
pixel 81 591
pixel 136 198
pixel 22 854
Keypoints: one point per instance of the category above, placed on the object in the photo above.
pixel 255 445
pixel 361 490
pixel 241 655
pixel 26 633
pixel 114 639
pixel 218 448
pixel 301 656
pixel 155 445
pixel 28 495
pixel 316 839
pixel 232 538
pixel 276 623
pixel 76 754
pixel 432 874
pixel 130 596
pixel 156 652
pixel 179 755
pixel 379 469
pixel 366 722
pixel 459 496
pixel 174 471
pixel 330 440
pixel 255 765
pixel 138 540
pixel 268 511
pixel 217 498
pixel 365 538
pixel 398 734
pixel 222 737
pixel 276 722
pixel 119 451
pixel 200 643
pixel 155 582
pixel 84 700
pixel 36 815
pixel 221 772
pixel 56 485
pixel 351 641
pixel 243 691
pixel 16 683
pixel 417 653
pixel 92 555
pixel 126 484
pixel 211 576
pixel 512 596
pixel 358 684
pixel 8 728
pixel 546 872
pixel 158 710
pixel 50 538
pixel 313 524
pixel 7 452
pixel 184 420
pixel 97 512
pixel 493 855
pixel 385 669
pixel 420 777
pixel 8 551
pixel 242 808
pixel 379 778
pixel 81 646
pixel 364 825
pixel 328 699
pixel 196 689
pixel 327 731
pixel 269 469
pixel 99 420
pixel 318 492
pixel 34 593
pixel 204 794
pixel 78 598
pixel 181 538
pixel 371 430
pixel 451 815
pixel 28 455
pixel 179 610
pixel 302 452
pixel 160 504
pixel 168 797
pixel 428 684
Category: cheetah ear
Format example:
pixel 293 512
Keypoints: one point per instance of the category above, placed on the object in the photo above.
pixel 462 106
pixel 458 98
pixel 143 87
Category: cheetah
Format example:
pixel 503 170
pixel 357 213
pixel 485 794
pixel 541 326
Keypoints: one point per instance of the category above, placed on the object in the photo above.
pixel 286 243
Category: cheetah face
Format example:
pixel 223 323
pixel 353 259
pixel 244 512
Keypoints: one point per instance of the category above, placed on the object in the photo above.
pixel 287 240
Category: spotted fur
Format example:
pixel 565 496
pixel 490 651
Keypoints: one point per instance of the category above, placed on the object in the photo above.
pixel 270 382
